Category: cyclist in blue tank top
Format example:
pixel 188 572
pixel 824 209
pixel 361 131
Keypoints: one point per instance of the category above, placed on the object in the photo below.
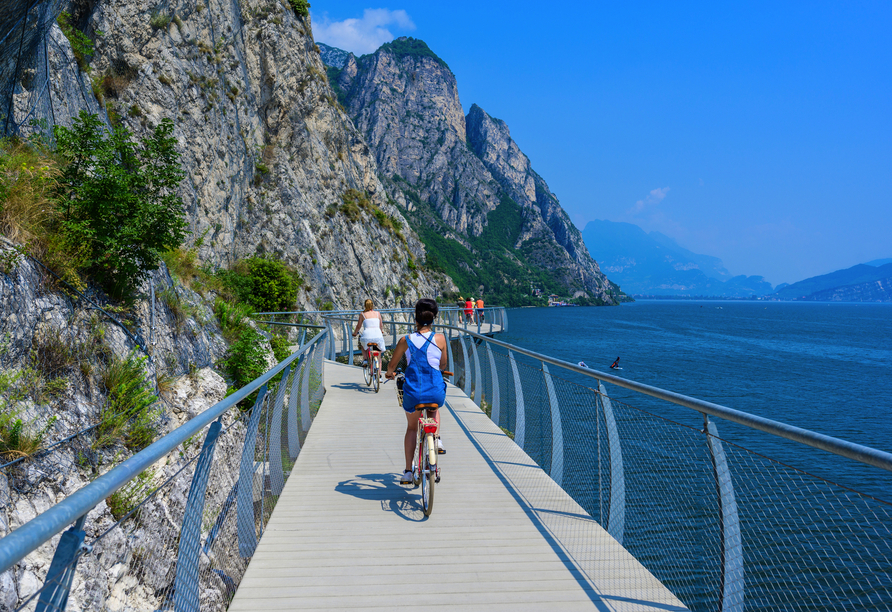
pixel 426 355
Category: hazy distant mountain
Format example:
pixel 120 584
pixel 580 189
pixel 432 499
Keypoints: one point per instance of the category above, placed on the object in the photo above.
pixel 654 264
pixel 861 283
pixel 878 262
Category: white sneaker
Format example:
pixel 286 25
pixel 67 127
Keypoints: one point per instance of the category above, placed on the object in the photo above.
pixel 407 477
pixel 440 449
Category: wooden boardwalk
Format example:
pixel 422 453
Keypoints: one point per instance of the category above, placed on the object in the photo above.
pixel 503 536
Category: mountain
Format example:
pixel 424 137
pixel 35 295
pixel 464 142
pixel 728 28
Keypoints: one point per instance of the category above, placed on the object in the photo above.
pixel 269 154
pixel 860 283
pixel 654 264
pixel 485 216
pixel 332 56
pixel 878 262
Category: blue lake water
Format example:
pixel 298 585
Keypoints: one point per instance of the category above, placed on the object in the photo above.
pixel 821 366
pixel 808 542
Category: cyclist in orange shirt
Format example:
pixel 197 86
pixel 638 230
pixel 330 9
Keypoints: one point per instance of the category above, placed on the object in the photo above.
pixel 480 315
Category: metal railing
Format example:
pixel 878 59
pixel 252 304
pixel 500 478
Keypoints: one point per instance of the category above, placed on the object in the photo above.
pixel 721 525
pixel 488 320
pixel 340 325
pixel 178 521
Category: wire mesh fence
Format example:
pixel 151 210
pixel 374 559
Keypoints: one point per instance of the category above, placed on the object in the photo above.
pixel 24 72
pixel 180 534
pixel 723 526
pixel 84 385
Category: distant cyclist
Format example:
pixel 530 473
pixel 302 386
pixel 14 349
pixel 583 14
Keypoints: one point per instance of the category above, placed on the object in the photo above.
pixel 480 315
pixel 426 357
pixel 371 326
pixel 469 309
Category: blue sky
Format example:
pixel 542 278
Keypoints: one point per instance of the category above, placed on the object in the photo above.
pixel 760 133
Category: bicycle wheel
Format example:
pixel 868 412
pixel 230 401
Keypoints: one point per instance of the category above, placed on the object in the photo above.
pixel 376 374
pixel 428 480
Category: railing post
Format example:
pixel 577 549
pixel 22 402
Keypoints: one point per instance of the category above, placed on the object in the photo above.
pixel 465 370
pixel 478 383
pixel 495 385
pixel 274 450
pixel 616 517
pixel 247 530
pixel 557 432
pixel 330 339
pixel 293 431
pixel 729 524
pixel 57 586
pixel 320 390
pixel 186 594
pixel 348 339
pixel 450 351
pixel 305 420
pixel 303 337
pixel 520 421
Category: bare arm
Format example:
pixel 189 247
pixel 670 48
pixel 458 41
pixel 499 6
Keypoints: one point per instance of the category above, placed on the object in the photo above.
pixel 398 352
pixel 440 339
pixel 358 324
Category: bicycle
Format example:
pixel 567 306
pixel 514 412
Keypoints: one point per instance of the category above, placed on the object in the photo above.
pixel 371 369
pixel 425 471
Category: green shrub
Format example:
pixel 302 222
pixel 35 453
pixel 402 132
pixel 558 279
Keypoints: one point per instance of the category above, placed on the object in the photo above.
pixel 266 284
pixel 19 438
pixel 159 19
pixel 354 202
pixel 119 199
pixel 281 347
pixel 232 317
pixel 246 359
pixel 81 45
pixel 127 416
pixel 301 8
pixel 127 497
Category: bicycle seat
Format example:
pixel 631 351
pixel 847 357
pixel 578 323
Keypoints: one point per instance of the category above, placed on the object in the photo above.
pixel 432 406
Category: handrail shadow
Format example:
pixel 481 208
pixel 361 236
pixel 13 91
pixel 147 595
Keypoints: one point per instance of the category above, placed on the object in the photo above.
pixel 598 599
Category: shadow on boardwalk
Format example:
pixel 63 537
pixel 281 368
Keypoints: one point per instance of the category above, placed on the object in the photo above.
pixel 385 489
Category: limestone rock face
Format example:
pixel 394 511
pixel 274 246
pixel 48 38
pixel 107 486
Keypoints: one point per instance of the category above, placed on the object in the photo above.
pixel 543 217
pixel 404 100
pixel 408 109
pixel 267 149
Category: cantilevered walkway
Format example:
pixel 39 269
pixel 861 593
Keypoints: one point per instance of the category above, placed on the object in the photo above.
pixel 503 536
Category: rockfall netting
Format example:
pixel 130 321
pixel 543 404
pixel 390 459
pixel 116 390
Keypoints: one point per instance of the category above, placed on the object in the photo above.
pixel 85 384
pixel 24 65
pixel 181 533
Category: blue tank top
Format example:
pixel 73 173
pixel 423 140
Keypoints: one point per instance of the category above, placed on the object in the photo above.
pixel 423 382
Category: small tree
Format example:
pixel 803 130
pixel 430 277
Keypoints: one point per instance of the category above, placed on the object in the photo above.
pixel 119 199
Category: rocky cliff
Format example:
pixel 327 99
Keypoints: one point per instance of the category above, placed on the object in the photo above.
pixel 544 221
pixel 470 193
pixel 268 151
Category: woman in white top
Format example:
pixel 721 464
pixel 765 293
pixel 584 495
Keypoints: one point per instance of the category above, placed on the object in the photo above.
pixel 371 324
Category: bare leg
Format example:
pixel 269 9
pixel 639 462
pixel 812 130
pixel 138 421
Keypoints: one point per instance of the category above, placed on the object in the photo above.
pixel 411 436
